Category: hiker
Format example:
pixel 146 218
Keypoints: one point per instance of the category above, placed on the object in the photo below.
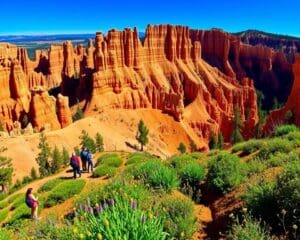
pixel 83 156
pixel 90 161
pixel 32 202
pixel 75 164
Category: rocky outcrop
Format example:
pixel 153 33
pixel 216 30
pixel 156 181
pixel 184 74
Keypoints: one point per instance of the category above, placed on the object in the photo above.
pixel 63 111
pixel 280 116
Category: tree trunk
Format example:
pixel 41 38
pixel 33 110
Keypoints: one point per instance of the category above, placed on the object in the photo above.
pixel 142 147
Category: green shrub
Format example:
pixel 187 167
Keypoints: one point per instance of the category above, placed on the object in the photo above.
pixel 4 234
pixel 157 175
pixel 237 147
pixel 248 147
pixel 280 159
pixel 104 170
pixel 3 204
pixel 248 229
pixel 178 217
pixel 293 137
pixel 18 202
pixel 21 212
pixel 285 129
pixel 12 198
pixel 274 146
pixel 255 165
pixel 260 201
pixel 179 161
pixel 192 174
pixel 137 158
pixel 112 160
pixel 64 191
pixel 3 215
pixel 225 172
pixel 120 218
pixel 49 185
pixel 196 155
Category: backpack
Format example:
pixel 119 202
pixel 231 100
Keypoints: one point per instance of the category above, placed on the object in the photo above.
pixel 84 155
pixel 73 163
pixel 29 202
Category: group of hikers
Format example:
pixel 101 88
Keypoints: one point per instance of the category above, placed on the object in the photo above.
pixel 85 161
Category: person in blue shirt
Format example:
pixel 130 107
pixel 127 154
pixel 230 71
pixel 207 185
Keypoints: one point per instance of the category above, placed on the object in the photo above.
pixel 90 161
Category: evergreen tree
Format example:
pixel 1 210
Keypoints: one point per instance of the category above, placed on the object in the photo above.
pixel 44 156
pixel 57 160
pixel 99 143
pixel 1 127
pixel 213 144
pixel 87 141
pixel 193 146
pixel 142 134
pixel 77 151
pixel 181 148
pixel 79 113
pixel 33 174
pixel 220 141
pixel 65 156
pixel 289 117
pixel 237 125
pixel 6 172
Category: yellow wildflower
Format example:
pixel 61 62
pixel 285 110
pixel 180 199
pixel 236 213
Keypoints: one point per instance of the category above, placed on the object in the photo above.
pixel 75 230
pixel 99 236
pixel 106 223
pixel 150 215
pixel 182 234
pixel 245 210
pixel 81 236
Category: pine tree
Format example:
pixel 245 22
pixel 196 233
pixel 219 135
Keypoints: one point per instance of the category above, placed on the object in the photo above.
pixel 237 125
pixel 181 148
pixel 99 143
pixel 142 134
pixel 220 141
pixel 289 117
pixel 65 156
pixel 33 174
pixel 213 144
pixel 87 141
pixel 6 172
pixel 44 156
pixel 193 146
pixel 57 160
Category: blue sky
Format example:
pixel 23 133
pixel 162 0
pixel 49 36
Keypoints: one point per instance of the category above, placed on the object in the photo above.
pixel 77 16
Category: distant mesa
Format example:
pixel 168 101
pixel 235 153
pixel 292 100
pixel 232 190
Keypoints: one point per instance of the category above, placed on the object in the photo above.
pixel 196 76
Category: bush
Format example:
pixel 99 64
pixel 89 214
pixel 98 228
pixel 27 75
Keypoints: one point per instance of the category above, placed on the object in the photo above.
pixel 225 172
pixel 112 160
pixel 255 165
pixel 237 147
pixel 3 215
pixel 4 234
pixel 274 146
pixel 192 174
pixel 20 212
pixel 49 185
pixel 248 147
pixel 3 204
pixel 280 159
pixel 18 202
pixel 179 217
pixel 157 175
pixel 120 218
pixel 137 158
pixel 104 170
pixel 64 191
pixel 179 161
pixel 293 137
pixel 285 129
pixel 260 201
pixel 248 229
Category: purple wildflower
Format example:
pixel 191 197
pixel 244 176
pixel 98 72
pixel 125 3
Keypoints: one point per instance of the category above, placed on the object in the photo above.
pixel 99 209
pixel 90 210
pixel 105 205
pixel 112 201
pixel 133 204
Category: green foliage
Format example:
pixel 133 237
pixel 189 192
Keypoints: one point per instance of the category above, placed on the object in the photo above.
pixel 6 172
pixel 237 127
pixel 213 144
pixel 193 146
pixel 64 191
pixel 179 161
pixel 18 201
pixel 104 170
pixel 44 156
pixel 220 141
pixel 192 174
pixel 99 143
pixel 26 180
pixel 3 204
pixel 285 129
pixel 65 156
pixel 157 175
pixel 79 113
pixel 289 117
pixel 135 158
pixel 87 141
pixel 77 151
pixel 225 171
pixel 112 160
pixel 33 174
pixel 3 215
pixel 142 134
pixel 21 212
pixel 181 148
pixel 50 184
pixel 1 127
pixel 120 218
pixel 57 160
pixel 178 217
pixel 248 147
pixel 4 234
pixel 248 229
pixel 274 146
